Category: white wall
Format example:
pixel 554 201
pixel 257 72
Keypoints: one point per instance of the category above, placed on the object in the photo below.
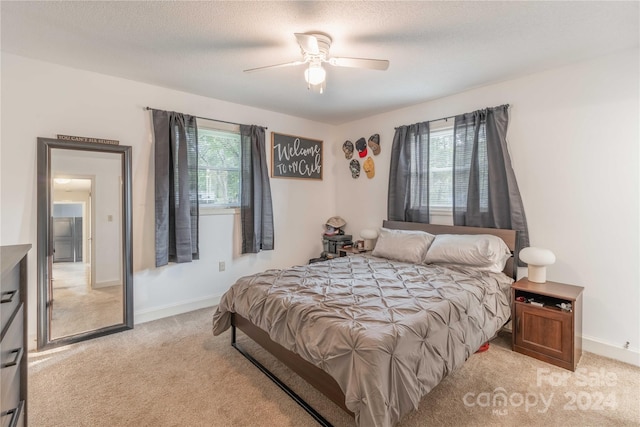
pixel 43 99
pixel 573 138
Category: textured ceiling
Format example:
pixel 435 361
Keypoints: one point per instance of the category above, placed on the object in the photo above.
pixel 435 48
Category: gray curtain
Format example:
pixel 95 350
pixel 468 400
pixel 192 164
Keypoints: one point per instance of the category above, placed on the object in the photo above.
pixel 256 210
pixel 176 187
pixel 485 189
pixel 408 198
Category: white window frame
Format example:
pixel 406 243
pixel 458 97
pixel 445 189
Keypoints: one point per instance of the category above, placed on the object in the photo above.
pixel 225 127
pixel 439 126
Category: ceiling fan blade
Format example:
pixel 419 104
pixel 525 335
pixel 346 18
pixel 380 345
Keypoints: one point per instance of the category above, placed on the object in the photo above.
pixel 286 64
pixel 308 43
pixel 372 64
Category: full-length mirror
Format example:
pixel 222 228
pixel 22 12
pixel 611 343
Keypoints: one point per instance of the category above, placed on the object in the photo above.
pixel 85 267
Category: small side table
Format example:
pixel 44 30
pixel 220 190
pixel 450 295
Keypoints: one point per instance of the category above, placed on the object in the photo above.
pixel 542 328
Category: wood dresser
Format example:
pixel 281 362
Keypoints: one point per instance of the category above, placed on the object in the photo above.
pixel 13 335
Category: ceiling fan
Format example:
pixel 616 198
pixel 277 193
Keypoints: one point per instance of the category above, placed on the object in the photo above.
pixel 315 52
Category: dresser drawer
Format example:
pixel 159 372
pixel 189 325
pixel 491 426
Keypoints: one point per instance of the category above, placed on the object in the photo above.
pixel 10 279
pixel 10 361
pixel 13 417
pixel 13 345
pixel 9 297
pixel 10 391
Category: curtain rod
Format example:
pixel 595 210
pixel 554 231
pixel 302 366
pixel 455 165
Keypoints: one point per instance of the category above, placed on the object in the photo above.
pixel 453 117
pixel 442 118
pixel 428 121
pixel 207 118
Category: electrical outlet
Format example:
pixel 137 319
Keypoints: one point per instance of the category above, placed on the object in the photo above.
pixel 221 266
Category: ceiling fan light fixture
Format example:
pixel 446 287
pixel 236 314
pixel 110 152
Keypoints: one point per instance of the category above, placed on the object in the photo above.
pixel 319 88
pixel 314 48
pixel 315 74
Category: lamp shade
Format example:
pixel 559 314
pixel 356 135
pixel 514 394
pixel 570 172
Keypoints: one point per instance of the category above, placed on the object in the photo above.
pixel 537 259
pixel 368 235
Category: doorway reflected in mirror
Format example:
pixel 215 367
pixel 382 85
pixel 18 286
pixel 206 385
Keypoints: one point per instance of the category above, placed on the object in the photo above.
pixel 79 302
pixel 84 238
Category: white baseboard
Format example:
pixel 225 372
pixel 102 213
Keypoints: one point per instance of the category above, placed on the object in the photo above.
pixel 592 345
pixel 595 346
pixel 156 313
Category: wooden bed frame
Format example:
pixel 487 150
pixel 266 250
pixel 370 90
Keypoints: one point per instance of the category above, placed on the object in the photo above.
pixel 315 376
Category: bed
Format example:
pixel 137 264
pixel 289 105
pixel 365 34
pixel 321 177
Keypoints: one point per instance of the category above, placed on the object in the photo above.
pixel 376 332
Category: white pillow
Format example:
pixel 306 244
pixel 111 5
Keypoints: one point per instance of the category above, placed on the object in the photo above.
pixel 484 251
pixel 403 245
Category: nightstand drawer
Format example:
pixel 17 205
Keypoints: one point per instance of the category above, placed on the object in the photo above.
pixel 544 330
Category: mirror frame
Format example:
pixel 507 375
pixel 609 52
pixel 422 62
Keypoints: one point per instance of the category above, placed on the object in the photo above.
pixel 45 244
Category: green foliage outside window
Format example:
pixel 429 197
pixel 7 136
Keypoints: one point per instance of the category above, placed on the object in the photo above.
pixel 218 168
pixel 441 168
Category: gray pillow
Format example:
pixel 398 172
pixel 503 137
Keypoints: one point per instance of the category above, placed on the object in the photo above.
pixel 484 251
pixel 403 245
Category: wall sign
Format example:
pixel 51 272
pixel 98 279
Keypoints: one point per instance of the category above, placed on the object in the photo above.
pixel 88 139
pixel 295 157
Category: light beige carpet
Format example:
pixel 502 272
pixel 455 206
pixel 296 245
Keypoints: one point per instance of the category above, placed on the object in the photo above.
pixel 173 372
pixel 76 306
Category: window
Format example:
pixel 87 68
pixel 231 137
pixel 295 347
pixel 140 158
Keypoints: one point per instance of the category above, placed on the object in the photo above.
pixel 218 165
pixel 463 177
pixel 441 167
pixel 439 171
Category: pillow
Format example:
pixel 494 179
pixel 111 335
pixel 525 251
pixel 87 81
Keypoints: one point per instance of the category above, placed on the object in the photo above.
pixel 484 251
pixel 403 245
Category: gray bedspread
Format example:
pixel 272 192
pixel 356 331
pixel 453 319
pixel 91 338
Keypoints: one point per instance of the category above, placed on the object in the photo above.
pixel 387 331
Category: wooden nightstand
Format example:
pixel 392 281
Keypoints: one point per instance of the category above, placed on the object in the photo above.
pixel 351 251
pixel 547 332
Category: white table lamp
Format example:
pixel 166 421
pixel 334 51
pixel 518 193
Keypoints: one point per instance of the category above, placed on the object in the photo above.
pixel 369 235
pixel 537 259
